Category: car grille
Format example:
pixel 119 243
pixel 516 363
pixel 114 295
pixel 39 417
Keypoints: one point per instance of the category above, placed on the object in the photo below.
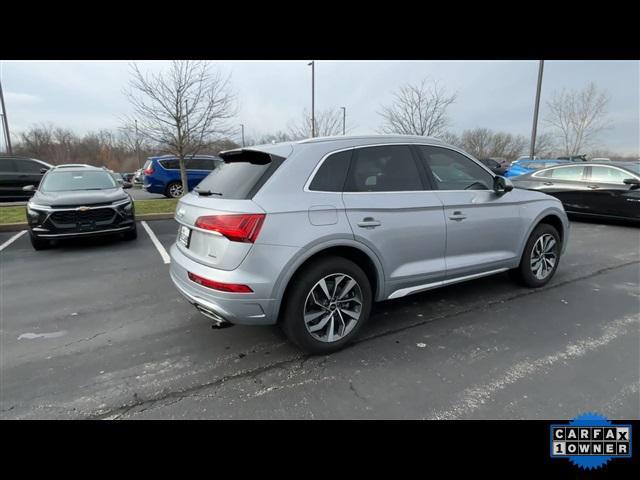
pixel 73 217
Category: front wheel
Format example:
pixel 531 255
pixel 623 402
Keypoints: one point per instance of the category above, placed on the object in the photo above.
pixel 328 303
pixel 540 257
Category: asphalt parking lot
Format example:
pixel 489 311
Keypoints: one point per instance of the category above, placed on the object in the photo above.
pixel 95 329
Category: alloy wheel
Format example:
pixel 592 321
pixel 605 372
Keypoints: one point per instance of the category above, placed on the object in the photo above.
pixel 333 307
pixel 544 256
pixel 175 190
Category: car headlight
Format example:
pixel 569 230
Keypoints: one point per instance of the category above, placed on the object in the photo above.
pixel 126 208
pixel 34 215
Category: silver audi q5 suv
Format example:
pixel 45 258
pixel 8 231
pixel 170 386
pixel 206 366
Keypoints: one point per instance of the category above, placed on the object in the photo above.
pixel 309 234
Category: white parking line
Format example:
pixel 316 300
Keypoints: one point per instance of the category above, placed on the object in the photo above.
pixel 163 253
pixel 12 239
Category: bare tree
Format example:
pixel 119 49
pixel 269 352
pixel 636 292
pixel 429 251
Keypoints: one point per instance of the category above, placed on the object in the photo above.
pixel 276 137
pixel 451 138
pixel 577 117
pixel 418 110
pixel 328 123
pixel 546 145
pixel 183 108
pixel 485 143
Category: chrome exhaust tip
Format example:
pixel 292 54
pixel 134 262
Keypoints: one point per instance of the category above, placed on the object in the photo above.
pixel 218 321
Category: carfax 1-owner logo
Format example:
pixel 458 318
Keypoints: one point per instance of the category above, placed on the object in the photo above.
pixel 590 440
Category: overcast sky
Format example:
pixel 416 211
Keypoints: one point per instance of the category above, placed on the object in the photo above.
pixel 499 95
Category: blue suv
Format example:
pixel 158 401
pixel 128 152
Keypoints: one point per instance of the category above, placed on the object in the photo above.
pixel 522 167
pixel 162 174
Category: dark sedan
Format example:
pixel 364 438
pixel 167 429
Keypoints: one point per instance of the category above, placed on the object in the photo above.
pixel 610 189
pixel 78 201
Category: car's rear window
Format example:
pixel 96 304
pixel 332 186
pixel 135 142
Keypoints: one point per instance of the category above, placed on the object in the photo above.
pixel 241 174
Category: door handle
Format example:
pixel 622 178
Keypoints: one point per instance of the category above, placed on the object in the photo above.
pixel 369 222
pixel 457 216
pixel 593 187
pixel 548 183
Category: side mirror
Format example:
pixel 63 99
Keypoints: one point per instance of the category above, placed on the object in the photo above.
pixel 126 185
pixel 634 182
pixel 29 188
pixel 502 185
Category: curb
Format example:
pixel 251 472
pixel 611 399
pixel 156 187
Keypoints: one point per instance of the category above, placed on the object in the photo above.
pixel 14 227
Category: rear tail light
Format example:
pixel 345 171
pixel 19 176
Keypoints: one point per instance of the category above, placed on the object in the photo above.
pixel 223 287
pixel 237 228
pixel 148 170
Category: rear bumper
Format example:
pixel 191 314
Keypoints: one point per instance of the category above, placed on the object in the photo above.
pixel 236 308
pixel 154 187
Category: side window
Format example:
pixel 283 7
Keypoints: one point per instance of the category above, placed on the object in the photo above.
pixel 210 164
pixel 195 164
pixel 171 164
pixel 27 166
pixel 453 171
pixel 607 175
pixel 391 168
pixel 567 173
pixel 200 164
pixel 544 173
pixel 332 173
pixel 7 165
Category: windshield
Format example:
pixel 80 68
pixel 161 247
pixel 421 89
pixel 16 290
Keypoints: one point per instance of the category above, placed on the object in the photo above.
pixel 72 181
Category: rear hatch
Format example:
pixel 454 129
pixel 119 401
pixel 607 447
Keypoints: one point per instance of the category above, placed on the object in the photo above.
pixel 219 222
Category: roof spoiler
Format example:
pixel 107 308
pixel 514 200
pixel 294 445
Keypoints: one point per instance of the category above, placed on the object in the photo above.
pixel 254 157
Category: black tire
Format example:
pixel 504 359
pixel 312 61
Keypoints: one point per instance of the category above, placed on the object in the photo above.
pixel 524 274
pixel 168 191
pixel 292 320
pixel 39 243
pixel 131 234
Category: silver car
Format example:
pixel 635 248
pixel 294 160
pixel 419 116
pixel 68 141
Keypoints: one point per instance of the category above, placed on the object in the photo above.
pixel 309 234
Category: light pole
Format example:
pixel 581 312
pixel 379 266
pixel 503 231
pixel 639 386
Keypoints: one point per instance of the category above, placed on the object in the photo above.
pixel 535 111
pixel 242 127
pixel 344 119
pixel 138 144
pixel 5 121
pixel 313 98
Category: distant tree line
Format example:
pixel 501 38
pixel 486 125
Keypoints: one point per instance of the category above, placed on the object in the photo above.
pixel 118 149
pixel 188 109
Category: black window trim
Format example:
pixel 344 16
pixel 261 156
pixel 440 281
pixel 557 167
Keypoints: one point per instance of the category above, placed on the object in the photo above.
pixel 427 183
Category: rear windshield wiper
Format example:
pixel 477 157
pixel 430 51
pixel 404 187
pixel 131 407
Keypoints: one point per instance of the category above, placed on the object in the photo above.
pixel 206 193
